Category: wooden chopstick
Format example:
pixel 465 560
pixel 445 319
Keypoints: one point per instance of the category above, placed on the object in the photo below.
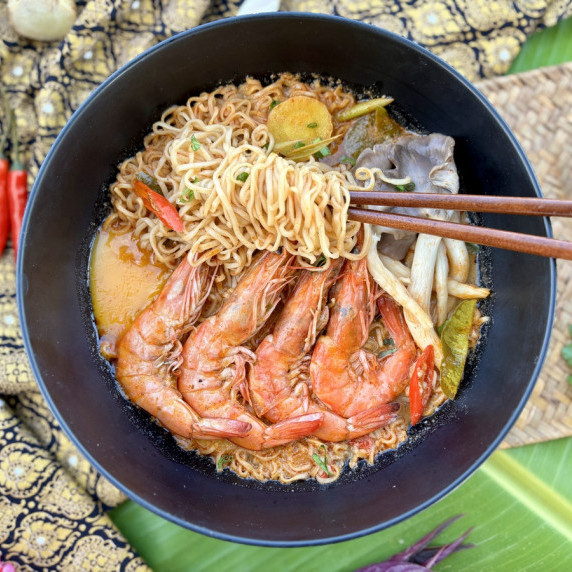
pixel 475 203
pixel 530 244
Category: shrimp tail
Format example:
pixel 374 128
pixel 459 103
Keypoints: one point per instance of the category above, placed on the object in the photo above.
pixel 375 417
pixel 292 429
pixel 220 428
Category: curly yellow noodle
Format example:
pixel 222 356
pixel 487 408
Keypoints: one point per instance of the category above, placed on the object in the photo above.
pixel 200 154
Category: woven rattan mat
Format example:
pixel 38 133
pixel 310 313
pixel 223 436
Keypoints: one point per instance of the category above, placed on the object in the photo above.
pixel 538 107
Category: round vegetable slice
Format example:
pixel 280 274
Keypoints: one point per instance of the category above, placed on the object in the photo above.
pixel 300 120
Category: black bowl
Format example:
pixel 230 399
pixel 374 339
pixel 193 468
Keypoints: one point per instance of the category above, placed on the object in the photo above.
pixel 69 201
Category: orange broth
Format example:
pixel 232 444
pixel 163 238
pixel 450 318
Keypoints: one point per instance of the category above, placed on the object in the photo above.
pixel 123 281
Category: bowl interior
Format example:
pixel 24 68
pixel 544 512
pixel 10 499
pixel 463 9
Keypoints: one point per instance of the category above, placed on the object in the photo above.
pixel 69 202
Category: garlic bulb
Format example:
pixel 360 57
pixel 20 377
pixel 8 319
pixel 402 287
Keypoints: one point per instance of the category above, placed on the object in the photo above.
pixel 45 20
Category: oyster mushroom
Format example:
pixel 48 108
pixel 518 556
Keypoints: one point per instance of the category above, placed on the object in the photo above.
pixel 428 161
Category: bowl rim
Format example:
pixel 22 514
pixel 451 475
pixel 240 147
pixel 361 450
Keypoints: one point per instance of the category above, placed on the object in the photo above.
pixel 295 16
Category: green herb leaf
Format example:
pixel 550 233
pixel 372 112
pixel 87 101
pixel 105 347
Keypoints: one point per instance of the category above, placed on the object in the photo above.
pixel 455 340
pixel 273 104
pixel 195 145
pixel 312 125
pixel 567 354
pixel 386 353
pixel 348 160
pixel 150 181
pixel 472 247
pixel 569 379
pixel 299 144
pixel 322 463
pixel 407 187
pixel 324 152
pixel 242 176
pixel 224 460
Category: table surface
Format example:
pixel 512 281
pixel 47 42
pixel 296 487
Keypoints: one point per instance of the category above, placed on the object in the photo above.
pixel 519 502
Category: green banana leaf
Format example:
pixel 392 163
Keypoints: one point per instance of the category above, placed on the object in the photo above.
pixel 519 502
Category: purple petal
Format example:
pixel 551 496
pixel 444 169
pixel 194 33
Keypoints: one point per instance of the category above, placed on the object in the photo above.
pixel 423 556
pixel 423 542
pixel 447 549
pixel 392 567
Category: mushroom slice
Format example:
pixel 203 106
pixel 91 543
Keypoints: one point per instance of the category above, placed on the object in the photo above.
pixel 427 160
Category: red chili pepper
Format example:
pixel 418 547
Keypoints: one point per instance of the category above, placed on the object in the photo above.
pixel 421 384
pixel 17 190
pixel 159 205
pixel 4 205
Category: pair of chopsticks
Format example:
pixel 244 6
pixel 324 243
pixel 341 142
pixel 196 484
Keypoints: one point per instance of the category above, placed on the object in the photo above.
pixel 507 240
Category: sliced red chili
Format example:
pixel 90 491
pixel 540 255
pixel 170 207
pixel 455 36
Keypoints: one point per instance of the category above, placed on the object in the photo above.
pixel 421 384
pixel 159 205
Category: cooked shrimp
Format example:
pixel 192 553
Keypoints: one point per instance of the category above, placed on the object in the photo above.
pixel 149 350
pixel 347 378
pixel 275 387
pixel 214 358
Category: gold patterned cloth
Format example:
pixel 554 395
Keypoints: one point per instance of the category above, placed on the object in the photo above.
pixel 52 502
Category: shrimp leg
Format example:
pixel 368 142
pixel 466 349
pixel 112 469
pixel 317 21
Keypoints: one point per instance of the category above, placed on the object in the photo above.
pixel 150 348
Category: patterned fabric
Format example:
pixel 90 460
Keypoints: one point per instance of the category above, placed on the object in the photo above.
pixel 478 37
pixel 52 502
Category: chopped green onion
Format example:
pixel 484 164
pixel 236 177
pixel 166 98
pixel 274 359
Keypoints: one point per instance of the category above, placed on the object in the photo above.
pixel 569 379
pixel 188 195
pixel 150 181
pixel 323 152
pixel 299 144
pixel 388 342
pixel 322 463
pixel 386 353
pixel 266 145
pixel 224 460
pixel 312 125
pixel 349 160
pixel 273 104
pixel 474 248
pixel 242 176
pixel 195 145
pixel 316 140
pixel 406 187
